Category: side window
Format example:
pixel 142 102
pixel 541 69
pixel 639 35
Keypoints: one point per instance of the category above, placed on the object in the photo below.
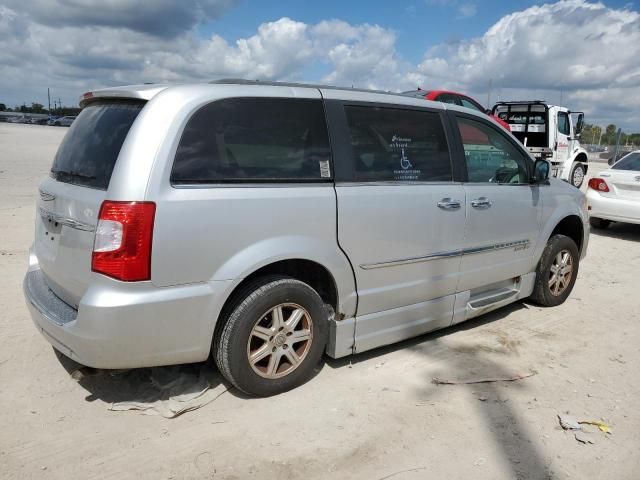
pixel 448 98
pixel 254 139
pixel 467 102
pixel 563 123
pixel 490 156
pixel 392 144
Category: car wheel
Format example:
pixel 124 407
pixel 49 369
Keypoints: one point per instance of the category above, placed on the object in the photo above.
pixel 577 175
pixel 599 222
pixel 274 337
pixel 557 271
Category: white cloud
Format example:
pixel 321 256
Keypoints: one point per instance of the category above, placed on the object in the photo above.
pixel 78 58
pixel 587 50
pixel 584 49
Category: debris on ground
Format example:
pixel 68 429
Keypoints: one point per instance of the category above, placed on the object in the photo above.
pixel 584 437
pixel 443 381
pixel 569 423
pixel 166 391
pixel 388 389
pixel 172 395
pixel 617 358
pixel 601 425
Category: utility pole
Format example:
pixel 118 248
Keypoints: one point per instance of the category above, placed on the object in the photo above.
pixel 49 100
pixel 489 93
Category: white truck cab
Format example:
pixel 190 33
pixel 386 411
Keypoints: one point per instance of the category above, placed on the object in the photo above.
pixel 549 132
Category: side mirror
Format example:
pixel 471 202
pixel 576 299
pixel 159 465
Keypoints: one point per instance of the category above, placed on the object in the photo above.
pixel 541 170
pixel 488 111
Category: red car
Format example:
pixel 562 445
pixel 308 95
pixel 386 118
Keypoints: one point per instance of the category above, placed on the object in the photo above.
pixel 456 98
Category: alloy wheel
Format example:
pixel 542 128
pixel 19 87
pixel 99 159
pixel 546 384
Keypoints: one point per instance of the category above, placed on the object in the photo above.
pixel 560 272
pixel 280 340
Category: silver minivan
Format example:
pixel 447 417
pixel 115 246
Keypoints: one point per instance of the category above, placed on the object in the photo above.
pixel 266 224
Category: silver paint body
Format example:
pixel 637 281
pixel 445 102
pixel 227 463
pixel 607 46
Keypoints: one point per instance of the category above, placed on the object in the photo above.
pixel 417 267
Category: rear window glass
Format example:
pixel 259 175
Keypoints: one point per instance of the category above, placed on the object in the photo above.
pixel 392 144
pixel 630 162
pixel 254 140
pixel 90 148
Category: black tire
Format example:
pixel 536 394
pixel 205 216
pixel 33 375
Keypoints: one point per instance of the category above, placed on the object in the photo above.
pixel 579 169
pixel 600 223
pixel 542 293
pixel 231 344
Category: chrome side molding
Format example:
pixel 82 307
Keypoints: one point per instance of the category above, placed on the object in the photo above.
pixel 516 245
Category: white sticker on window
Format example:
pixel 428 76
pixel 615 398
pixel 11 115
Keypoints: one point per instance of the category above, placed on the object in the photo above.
pixel 325 171
pixel 406 171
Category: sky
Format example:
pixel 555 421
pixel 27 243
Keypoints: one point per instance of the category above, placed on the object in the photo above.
pixel 583 54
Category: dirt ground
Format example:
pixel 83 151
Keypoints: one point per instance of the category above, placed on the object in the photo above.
pixel 374 416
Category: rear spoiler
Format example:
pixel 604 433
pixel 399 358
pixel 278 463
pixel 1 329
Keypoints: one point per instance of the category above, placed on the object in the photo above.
pixel 134 92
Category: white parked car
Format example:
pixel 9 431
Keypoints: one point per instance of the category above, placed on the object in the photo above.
pixel 614 195
pixel 64 121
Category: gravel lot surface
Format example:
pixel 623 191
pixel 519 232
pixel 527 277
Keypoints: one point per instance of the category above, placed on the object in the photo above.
pixel 374 416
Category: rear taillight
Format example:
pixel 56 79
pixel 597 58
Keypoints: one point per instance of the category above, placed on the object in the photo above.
pixel 122 246
pixel 598 184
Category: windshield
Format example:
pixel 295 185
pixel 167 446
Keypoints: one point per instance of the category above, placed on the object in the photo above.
pixel 90 148
pixel 630 162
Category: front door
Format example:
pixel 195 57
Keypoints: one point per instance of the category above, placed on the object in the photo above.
pixel 563 137
pixel 503 208
pixel 400 218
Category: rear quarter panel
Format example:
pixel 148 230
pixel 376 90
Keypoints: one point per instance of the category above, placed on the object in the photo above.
pixel 227 233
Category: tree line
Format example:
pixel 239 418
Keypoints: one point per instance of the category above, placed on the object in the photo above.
pixel 591 134
pixel 39 108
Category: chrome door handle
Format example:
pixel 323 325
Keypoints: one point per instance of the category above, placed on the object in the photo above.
pixel 449 204
pixel 481 203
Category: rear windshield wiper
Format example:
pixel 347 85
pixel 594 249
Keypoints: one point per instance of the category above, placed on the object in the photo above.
pixel 71 173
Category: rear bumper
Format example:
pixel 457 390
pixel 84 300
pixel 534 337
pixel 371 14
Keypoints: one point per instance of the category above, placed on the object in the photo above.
pixel 615 209
pixel 120 325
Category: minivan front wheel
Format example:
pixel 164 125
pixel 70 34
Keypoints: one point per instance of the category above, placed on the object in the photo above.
pixel 557 271
pixel 273 338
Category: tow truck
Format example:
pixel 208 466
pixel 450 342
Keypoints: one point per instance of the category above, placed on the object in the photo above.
pixel 548 132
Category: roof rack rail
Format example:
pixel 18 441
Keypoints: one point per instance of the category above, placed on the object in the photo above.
pixel 242 81
pixel 521 102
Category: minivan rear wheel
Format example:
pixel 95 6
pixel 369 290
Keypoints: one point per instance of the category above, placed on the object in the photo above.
pixel 557 271
pixel 274 337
